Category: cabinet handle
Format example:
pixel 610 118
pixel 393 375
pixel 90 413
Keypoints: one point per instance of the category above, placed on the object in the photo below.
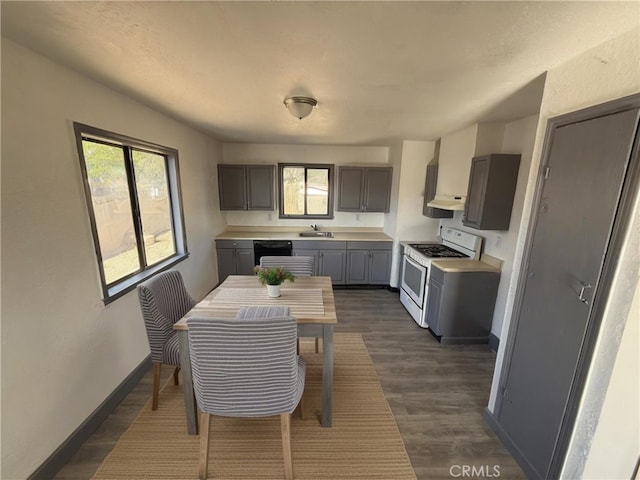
pixel 583 287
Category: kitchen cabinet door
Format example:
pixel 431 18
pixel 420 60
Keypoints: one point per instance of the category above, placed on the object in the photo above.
pixel 231 187
pixel 235 257
pixel 380 267
pixel 491 190
pixel 369 263
pixel 226 263
pixel 246 187
pixel 350 188
pixel 329 255
pixel 377 189
pixel 333 264
pixel 245 261
pixel 260 187
pixel 364 189
pixel 358 266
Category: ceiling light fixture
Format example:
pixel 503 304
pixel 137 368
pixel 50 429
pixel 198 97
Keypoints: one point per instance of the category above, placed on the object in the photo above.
pixel 300 107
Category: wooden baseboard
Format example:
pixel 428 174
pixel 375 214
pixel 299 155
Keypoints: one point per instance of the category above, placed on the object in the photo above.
pixel 64 452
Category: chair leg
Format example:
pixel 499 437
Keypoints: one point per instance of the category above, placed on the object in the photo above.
pixel 317 345
pixel 285 423
pixel 157 367
pixel 175 376
pixel 204 445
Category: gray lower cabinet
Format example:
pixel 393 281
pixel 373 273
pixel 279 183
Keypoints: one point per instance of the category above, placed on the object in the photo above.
pixel 368 263
pixel 235 257
pixel 246 187
pixel 460 305
pixel 330 257
pixel 364 263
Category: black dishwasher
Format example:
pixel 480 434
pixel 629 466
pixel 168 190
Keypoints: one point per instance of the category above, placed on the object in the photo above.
pixel 268 248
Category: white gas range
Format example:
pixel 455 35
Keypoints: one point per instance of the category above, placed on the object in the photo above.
pixel 416 267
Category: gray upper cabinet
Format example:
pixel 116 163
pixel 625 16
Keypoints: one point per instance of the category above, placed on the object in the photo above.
pixel 364 189
pixel 492 187
pixel 246 187
pixel 430 185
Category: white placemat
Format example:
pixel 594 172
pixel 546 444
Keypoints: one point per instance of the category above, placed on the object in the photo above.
pixel 304 302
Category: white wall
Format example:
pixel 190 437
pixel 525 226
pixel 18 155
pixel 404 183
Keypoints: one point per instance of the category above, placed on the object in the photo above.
pixel 273 154
pixel 517 137
pixel 621 409
pixel 456 151
pixel 407 223
pixel 63 351
pixel 607 72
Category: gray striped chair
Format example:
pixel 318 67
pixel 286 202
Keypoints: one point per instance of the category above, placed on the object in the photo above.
pixel 247 367
pixel 298 265
pixel 164 300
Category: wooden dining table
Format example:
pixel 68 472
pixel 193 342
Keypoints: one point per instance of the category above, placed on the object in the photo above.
pixel 311 302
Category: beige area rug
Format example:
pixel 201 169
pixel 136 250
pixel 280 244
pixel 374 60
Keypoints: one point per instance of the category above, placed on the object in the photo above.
pixel 363 443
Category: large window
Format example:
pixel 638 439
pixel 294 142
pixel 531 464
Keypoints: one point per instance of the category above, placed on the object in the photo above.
pixel 133 196
pixel 306 190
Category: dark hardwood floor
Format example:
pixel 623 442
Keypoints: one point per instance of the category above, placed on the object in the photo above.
pixel 437 394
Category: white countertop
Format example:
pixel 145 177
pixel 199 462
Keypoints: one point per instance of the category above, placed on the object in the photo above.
pixel 288 233
pixel 485 264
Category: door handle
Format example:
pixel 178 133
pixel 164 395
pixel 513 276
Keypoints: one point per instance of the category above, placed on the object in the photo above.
pixel 583 287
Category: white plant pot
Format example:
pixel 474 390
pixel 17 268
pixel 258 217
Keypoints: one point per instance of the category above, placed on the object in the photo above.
pixel 273 291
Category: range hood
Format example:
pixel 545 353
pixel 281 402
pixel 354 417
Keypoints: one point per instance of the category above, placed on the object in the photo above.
pixel 447 202
pixel 454 163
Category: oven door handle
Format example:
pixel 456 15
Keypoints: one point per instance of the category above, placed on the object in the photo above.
pixel 414 263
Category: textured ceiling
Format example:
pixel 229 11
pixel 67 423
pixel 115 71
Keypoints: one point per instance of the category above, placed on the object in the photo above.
pixel 381 71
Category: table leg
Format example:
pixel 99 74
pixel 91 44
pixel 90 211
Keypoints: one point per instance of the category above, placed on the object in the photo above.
pixel 187 383
pixel 327 374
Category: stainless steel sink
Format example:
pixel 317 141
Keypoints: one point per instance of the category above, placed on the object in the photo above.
pixel 316 234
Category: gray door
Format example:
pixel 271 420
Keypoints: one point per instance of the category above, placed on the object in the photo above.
pixel 587 164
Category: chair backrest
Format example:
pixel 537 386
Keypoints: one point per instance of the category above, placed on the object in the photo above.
pixel 298 265
pixel 163 300
pixel 244 367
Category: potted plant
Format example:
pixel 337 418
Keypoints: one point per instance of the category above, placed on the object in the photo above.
pixel 273 277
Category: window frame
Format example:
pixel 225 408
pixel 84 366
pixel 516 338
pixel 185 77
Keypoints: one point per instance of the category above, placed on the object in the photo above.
pixel 329 167
pixel 118 288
